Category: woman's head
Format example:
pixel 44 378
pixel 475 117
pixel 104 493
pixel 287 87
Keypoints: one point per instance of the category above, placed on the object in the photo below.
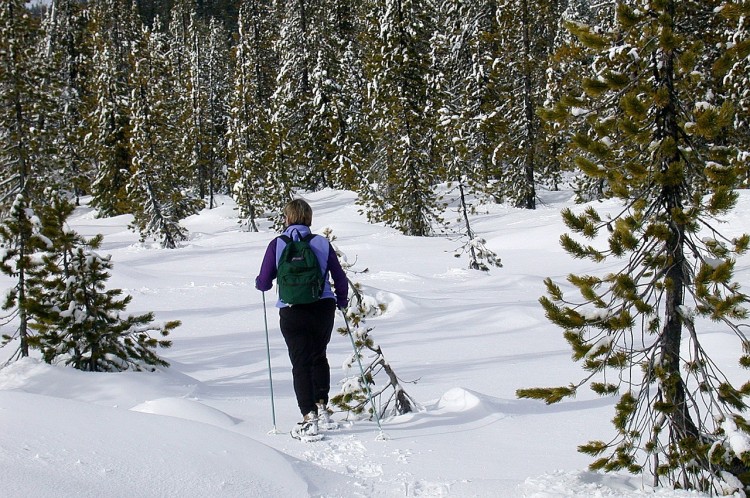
pixel 298 212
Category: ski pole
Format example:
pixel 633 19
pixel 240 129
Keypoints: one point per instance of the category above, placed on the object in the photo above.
pixel 381 436
pixel 270 377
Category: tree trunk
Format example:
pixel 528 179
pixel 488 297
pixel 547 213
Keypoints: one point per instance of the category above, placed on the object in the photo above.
pixel 529 194
pixel 681 424
pixel 24 158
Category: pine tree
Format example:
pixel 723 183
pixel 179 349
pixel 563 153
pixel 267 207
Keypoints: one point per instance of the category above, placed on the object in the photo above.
pixel 158 199
pixel 26 108
pixel 209 86
pixel 460 52
pixel 254 65
pixel 218 84
pixel 458 56
pixel 567 62
pixel 734 70
pixel 526 31
pixel 399 186
pixel 650 124
pixel 335 128
pixel 64 53
pixel 114 28
pixel 19 241
pixel 343 91
pixel 179 96
pixel 292 101
pixel 79 321
pixel 25 157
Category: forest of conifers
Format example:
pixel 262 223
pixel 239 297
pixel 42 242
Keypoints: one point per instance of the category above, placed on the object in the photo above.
pixel 153 107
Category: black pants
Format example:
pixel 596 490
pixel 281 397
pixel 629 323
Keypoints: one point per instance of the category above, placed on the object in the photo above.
pixel 307 331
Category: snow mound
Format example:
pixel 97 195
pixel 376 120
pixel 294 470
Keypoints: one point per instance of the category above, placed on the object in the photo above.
pixel 186 409
pixel 459 400
pixel 16 375
pixel 121 389
pixel 394 303
pixel 87 450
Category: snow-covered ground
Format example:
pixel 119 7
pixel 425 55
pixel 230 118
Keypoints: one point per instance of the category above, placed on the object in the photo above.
pixel 204 426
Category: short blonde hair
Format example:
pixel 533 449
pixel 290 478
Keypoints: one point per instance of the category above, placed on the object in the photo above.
pixel 298 212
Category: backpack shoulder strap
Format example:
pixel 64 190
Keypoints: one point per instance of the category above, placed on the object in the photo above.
pixel 285 238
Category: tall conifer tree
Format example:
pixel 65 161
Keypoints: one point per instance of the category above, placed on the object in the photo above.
pixel 526 31
pixel 218 83
pixel 158 198
pixel 115 29
pixel 399 186
pixel 209 83
pixel 459 53
pixel 65 53
pixel 651 125
pixel 254 63
pixel 345 81
pixel 733 68
pixel 295 157
pixel 25 156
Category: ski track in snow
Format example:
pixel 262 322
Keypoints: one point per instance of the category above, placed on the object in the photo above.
pixel 347 454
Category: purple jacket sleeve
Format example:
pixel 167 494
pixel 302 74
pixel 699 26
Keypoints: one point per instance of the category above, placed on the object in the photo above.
pixel 340 282
pixel 264 281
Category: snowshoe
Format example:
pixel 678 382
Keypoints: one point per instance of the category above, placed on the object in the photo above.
pixel 325 423
pixel 307 430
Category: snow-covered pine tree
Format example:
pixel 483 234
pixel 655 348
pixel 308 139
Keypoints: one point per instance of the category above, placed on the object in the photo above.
pixel 650 124
pixel 565 65
pixel 335 128
pixel 480 256
pixel 526 31
pixel 346 85
pixel 27 108
pixel 64 54
pixel 114 28
pixel 18 242
pixel 358 387
pixel 77 320
pixel 218 84
pixel 399 188
pixel 197 122
pixel 567 62
pixel 209 89
pixel 327 113
pixel 294 156
pixel 179 96
pixel 254 63
pixel 461 89
pixel 158 198
pixel 734 69
pixel 26 157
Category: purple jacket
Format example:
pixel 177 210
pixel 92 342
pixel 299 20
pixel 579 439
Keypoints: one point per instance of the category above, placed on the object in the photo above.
pixel 329 263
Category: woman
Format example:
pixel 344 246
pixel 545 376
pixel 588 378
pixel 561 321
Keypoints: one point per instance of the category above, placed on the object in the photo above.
pixel 307 328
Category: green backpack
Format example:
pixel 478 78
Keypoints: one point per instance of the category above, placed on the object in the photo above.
pixel 299 276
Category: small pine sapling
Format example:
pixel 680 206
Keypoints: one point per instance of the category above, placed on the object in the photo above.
pixel 353 398
pixel 19 241
pixel 480 256
pixel 76 319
